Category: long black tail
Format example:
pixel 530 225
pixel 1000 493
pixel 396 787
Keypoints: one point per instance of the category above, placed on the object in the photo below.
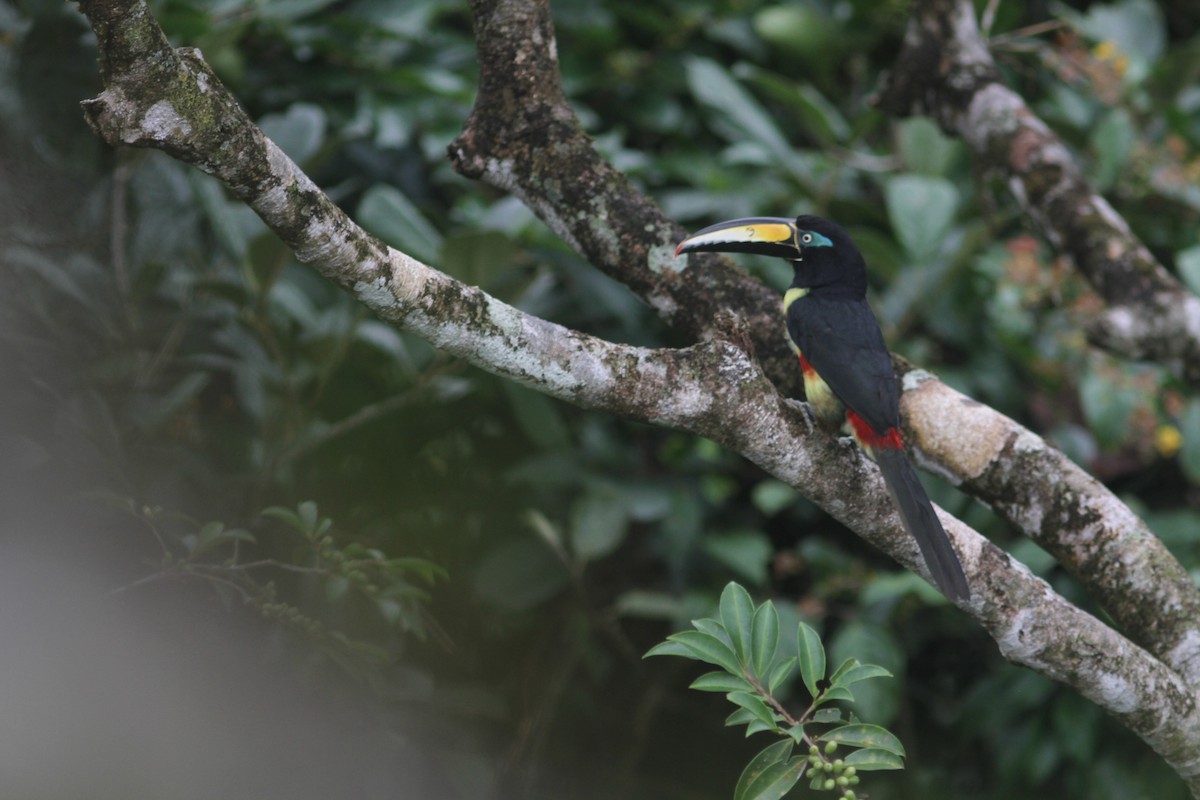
pixel 922 522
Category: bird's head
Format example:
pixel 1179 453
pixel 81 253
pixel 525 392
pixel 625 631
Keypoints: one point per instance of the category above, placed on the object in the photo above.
pixel 821 251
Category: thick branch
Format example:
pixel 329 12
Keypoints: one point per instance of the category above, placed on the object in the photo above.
pixel 715 388
pixel 523 137
pixel 1066 511
pixel 945 71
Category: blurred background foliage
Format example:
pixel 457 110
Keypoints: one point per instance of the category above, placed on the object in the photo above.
pixel 218 420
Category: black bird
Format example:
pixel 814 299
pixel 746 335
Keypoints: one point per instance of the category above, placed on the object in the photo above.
pixel 848 375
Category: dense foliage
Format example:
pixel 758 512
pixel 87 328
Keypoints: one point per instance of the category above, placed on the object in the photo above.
pixel 490 563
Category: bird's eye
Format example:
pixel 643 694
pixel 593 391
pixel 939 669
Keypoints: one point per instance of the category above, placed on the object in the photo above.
pixel 806 238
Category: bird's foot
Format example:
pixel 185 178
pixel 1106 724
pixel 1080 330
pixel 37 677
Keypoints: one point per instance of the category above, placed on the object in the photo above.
pixel 806 412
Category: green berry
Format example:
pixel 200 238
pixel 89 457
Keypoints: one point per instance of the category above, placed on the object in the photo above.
pixel 854 781
pixel 851 772
pixel 849 795
pixel 814 760
pixel 831 747
pixel 813 750
pixel 829 784
pixel 827 767
pixel 843 781
pixel 839 765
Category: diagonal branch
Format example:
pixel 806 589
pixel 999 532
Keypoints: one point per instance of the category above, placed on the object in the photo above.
pixel 523 137
pixel 1066 511
pixel 158 97
pixel 946 71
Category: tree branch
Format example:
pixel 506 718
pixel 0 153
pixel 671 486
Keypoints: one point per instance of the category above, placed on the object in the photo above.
pixel 1070 514
pixel 946 72
pixel 523 137
pixel 158 97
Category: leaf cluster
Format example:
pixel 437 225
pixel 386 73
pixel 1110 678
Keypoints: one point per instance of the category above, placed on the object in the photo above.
pixel 744 641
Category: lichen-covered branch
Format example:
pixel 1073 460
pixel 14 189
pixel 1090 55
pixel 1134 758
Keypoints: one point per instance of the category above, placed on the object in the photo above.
pixel 158 97
pixel 508 143
pixel 945 71
pixel 523 137
pixel 1066 511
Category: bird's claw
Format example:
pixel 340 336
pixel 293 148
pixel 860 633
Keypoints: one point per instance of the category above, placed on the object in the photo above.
pixel 806 412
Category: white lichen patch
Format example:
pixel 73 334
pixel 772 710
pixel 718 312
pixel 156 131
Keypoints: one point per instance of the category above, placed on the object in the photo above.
pixel 376 295
pixel 409 277
pixel 994 111
pixel 1184 657
pixel 161 122
pixel 663 303
pixel 1017 642
pixel 684 402
pixel 1115 693
pixel 500 173
pixel 597 218
pixel 956 437
pixel 661 258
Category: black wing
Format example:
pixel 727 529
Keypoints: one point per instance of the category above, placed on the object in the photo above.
pixel 842 341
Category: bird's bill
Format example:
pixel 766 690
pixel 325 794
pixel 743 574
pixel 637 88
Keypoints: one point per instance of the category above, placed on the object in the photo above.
pixel 764 236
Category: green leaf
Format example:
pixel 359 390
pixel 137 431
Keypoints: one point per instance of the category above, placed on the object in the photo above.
pixel 836 693
pixel 713 628
pixel 921 209
pixel 1189 453
pixel 871 758
pixel 754 704
pixel 733 111
pixel 827 716
pixel 649 605
pixel 1137 27
pixel 1107 405
pixel 1187 263
pixel 299 131
pixel 860 672
pixel 758 726
pixel 519 574
pixel 783 671
pixel 764 638
pixel 708 648
pixel 720 682
pixel 668 648
pixel 747 553
pixel 836 678
pixel 772 754
pixel 599 522
pixel 307 512
pixel 776 780
pixel 285 515
pixel 923 147
pixel 388 214
pixel 772 496
pixel 736 610
pixel 741 716
pixel 1113 142
pixel 811 657
pixel 477 257
pixel 539 417
pixel 865 735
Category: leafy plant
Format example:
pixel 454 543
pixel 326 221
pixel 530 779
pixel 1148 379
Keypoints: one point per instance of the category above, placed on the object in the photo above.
pixel 744 642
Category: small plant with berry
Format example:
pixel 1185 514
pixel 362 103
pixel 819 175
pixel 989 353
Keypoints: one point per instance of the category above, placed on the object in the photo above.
pixel 744 642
